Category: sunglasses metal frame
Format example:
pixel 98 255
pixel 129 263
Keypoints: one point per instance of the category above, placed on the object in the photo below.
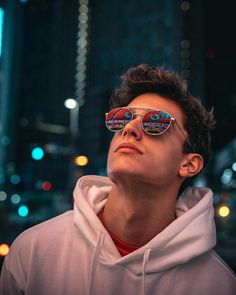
pixel 130 108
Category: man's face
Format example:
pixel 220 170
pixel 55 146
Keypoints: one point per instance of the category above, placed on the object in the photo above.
pixel 151 159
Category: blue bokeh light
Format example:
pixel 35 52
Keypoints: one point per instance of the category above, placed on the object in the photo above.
pixel 15 179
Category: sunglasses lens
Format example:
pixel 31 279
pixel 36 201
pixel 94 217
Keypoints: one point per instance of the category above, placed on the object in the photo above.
pixel 156 122
pixel 116 119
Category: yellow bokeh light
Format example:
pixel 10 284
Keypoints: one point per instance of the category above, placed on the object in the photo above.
pixel 81 161
pixel 224 211
pixel 4 249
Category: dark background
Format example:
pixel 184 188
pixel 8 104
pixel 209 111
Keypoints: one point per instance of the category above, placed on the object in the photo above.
pixel 54 50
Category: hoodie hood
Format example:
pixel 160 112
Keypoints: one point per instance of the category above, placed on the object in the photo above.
pixel 191 234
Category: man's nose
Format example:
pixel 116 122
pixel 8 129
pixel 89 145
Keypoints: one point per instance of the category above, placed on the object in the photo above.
pixel 133 128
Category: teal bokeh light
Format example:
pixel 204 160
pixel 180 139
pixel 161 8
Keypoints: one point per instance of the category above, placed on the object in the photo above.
pixel 37 153
pixel 23 211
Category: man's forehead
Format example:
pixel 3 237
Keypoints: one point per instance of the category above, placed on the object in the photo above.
pixel 155 101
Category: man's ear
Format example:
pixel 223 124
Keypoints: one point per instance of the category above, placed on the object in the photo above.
pixel 191 165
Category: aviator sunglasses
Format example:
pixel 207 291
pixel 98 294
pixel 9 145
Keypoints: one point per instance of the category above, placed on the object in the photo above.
pixel 154 121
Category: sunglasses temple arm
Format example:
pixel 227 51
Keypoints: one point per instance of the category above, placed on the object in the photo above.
pixel 180 129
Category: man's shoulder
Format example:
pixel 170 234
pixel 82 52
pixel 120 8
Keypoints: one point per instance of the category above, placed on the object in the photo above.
pixel 47 230
pixel 55 223
pixel 211 269
pixel 220 265
pixel 207 274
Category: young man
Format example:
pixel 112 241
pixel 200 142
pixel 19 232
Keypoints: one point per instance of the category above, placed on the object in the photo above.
pixel 130 233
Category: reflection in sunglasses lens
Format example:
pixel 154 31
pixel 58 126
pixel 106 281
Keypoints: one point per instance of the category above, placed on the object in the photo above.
pixel 154 122
pixel 118 118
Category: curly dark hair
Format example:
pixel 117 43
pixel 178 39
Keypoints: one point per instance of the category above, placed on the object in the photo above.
pixel 198 122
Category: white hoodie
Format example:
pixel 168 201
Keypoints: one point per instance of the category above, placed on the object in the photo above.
pixel 73 254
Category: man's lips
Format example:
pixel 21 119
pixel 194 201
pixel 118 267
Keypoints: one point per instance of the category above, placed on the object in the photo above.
pixel 128 145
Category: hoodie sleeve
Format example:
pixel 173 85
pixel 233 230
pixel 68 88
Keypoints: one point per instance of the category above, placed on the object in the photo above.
pixel 8 282
pixel 14 269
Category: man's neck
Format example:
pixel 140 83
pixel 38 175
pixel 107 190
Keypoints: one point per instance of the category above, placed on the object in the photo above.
pixel 137 215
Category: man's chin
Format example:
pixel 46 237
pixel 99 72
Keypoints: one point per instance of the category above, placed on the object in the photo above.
pixel 124 175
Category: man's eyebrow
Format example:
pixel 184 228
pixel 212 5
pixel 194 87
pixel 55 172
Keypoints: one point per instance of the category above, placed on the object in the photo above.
pixel 144 108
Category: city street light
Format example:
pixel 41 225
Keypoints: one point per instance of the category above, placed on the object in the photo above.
pixel 73 106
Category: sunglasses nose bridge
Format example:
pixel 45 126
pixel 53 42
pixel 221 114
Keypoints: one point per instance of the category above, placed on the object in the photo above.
pixel 133 127
pixel 137 115
pixel 135 118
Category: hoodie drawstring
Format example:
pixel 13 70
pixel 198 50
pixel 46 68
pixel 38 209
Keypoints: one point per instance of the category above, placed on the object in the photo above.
pixel 145 260
pixel 94 261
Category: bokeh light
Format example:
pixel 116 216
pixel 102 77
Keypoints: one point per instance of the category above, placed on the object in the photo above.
pixel 15 179
pixel 23 211
pixel 70 103
pixel 3 196
pixel 4 249
pixel 15 199
pixel 224 211
pixel 81 161
pixel 37 153
pixel 46 185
